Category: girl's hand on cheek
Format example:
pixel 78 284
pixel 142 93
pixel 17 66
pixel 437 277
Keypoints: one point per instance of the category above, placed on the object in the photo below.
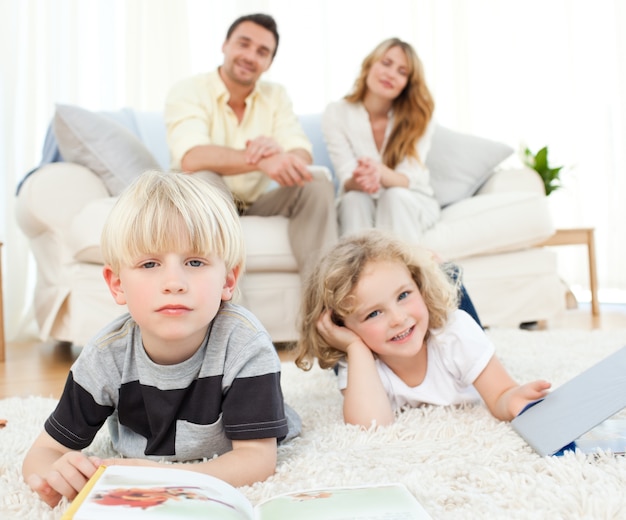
pixel 335 335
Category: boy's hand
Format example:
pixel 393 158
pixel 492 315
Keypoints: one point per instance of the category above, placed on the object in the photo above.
pixel 66 478
pixel 44 490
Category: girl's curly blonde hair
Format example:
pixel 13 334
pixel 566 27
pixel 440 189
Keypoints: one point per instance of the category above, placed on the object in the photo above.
pixel 332 282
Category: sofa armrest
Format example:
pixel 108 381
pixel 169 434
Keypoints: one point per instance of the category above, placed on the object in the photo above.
pixel 85 229
pixel 51 197
pixel 519 178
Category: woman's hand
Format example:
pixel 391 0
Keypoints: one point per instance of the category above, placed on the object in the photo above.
pixel 367 175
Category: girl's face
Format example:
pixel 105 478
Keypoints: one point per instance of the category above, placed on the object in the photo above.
pixel 389 75
pixel 390 314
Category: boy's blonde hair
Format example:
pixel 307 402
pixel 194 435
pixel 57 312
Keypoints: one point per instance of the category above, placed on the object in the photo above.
pixel 332 282
pixel 167 211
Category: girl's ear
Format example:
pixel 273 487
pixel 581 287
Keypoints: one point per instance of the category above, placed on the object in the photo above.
pixel 230 283
pixel 115 285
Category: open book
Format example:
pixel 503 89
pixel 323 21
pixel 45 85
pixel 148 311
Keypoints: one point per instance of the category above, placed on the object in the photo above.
pixel 568 417
pixel 131 492
pixel 609 435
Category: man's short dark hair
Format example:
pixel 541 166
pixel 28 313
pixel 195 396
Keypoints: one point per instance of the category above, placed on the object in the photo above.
pixel 264 20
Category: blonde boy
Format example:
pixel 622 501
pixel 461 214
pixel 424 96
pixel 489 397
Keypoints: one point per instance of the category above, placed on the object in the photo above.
pixel 185 375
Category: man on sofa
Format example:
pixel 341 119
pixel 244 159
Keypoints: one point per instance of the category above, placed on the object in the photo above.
pixel 243 132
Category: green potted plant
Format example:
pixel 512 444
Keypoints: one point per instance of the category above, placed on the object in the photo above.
pixel 539 162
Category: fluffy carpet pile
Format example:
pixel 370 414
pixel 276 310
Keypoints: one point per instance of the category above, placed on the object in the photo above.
pixel 458 461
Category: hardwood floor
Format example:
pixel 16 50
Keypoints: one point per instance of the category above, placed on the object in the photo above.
pixel 33 368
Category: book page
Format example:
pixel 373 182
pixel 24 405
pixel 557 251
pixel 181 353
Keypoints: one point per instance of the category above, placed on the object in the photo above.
pixel 131 492
pixel 609 435
pixel 387 502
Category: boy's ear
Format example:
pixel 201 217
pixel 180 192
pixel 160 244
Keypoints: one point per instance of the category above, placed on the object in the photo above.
pixel 231 283
pixel 115 285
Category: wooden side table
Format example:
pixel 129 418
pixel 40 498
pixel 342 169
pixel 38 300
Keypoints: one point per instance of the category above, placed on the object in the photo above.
pixel 2 345
pixel 580 236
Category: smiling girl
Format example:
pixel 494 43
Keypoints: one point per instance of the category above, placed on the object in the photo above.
pixel 386 313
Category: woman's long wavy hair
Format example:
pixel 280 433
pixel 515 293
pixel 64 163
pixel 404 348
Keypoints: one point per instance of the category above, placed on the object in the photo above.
pixel 332 282
pixel 412 109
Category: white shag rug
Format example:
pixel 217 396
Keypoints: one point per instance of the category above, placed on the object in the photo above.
pixel 459 462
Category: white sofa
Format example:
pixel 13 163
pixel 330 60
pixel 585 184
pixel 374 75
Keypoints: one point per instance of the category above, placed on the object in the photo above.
pixel 61 207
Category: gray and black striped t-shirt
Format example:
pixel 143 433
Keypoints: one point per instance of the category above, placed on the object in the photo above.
pixel 228 390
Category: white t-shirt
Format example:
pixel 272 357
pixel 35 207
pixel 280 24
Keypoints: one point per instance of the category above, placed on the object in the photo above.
pixel 457 354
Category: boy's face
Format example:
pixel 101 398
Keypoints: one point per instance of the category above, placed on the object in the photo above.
pixel 390 314
pixel 173 297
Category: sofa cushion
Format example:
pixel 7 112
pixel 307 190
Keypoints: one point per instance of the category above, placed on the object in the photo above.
pixel 487 224
pixel 460 163
pixel 83 233
pixel 515 287
pixel 266 238
pixel 101 144
pixel 267 244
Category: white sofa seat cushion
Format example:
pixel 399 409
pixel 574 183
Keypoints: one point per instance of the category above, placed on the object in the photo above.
pixel 267 244
pixel 266 238
pixel 492 223
pixel 483 224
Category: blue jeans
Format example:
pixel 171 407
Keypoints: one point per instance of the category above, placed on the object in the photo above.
pixel 465 302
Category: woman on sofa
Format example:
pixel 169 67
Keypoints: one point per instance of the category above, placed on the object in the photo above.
pixel 378 137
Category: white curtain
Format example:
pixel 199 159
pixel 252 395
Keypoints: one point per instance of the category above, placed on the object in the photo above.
pixel 98 54
pixel 539 72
